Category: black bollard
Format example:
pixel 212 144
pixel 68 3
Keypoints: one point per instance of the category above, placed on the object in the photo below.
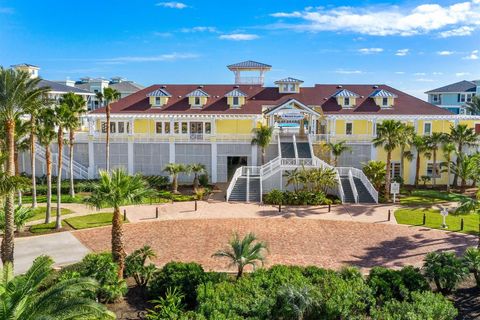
pixel 156 213
pixel 124 214
pixel 195 204
pixel 280 207
pixel 329 207
pixel 424 219
pixel 461 224
pixel 389 214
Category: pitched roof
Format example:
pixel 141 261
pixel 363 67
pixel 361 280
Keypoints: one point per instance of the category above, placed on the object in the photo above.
pixel 61 88
pixel 25 65
pixel 236 93
pixel 197 93
pixel 126 86
pixel 249 65
pixel 259 98
pixel 159 93
pixel 461 86
pixel 382 93
pixel 345 93
pixel 289 80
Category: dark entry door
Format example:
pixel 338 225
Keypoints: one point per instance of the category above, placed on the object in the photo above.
pixel 233 163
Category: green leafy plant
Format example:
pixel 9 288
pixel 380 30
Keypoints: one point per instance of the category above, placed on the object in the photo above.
pixel 136 267
pixel 21 216
pixel 471 258
pixel 445 270
pixel 169 307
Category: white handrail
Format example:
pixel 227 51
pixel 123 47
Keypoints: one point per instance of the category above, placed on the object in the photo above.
pixel 235 177
pixel 357 173
pixel 341 193
pixel 352 185
pixel 79 170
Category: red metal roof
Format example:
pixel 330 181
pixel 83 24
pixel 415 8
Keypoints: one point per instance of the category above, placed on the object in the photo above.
pixel 259 96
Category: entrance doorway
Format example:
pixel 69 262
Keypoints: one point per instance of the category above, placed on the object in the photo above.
pixel 233 163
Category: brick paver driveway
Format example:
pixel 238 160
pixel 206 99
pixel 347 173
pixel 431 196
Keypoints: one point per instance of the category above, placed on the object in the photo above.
pixel 330 244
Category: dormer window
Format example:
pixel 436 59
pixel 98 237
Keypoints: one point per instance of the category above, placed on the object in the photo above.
pixel 158 101
pixel 159 97
pixel 235 98
pixel 289 85
pixel 385 102
pixel 346 101
pixel 197 101
pixel 197 98
pixel 345 98
pixel 383 98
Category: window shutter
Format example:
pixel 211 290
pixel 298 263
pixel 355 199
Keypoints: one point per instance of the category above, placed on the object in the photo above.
pixel 458 97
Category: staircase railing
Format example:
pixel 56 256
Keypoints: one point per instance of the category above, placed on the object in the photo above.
pixel 353 186
pixel 270 167
pixel 339 191
pixel 297 162
pixel 79 170
pixel 357 173
pixel 235 177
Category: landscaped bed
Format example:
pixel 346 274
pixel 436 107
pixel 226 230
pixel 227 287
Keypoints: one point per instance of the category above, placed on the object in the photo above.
pixel 39 213
pixel 77 223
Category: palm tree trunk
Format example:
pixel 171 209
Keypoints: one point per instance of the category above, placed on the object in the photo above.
pixel 58 224
pixel 32 163
pixel 239 272
pixel 387 177
pixel 118 252
pixel 8 236
pixel 417 169
pixel 195 182
pixel 455 177
pixel 71 141
pixel 402 162
pixel 263 156
pixel 17 173
pixel 175 184
pixel 48 160
pixel 434 169
pixel 448 175
pixel 107 139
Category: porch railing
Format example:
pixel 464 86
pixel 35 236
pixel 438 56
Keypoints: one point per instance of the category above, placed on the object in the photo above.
pixel 233 181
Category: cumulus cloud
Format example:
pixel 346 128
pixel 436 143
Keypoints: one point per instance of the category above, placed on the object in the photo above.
pixel 370 50
pixel 420 74
pixel 472 56
pixel 342 71
pixel 462 74
pixel 239 36
pixel 172 5
pixel 460 18
pixel 199 29
pixel 402 52
pixel 399 72
pixel 445 53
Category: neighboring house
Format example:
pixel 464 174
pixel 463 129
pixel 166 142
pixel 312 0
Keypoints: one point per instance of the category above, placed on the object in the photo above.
pixel 455 96
pixel 122 85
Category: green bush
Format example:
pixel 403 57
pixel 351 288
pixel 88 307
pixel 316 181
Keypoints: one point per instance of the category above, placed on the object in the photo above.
pixel 423 305
pixel 203 180
pixel 445 270
pixel 157 182
pixel 471 258
pixel 80 186
pixel 301 197
pixel 186 277
pixel 136 267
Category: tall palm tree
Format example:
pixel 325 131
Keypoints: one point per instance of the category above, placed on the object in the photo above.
pixel 196 168
pixel 46 134
pixel 464 170
pixel 375 172
pixel 115 189
pixel 262 138
pixel 474 106
pixel 406 138
pixel 420 146
pixel 34 296
pixel 17 89
pixel 22 129
pixel 63 116
pixel 77 107
pixel 99 97
pixel 243 252
pixel 293 178
pixel 337 149
pixel 110 95
pixel 448 149
pixel 173 169
pixel 462 136
pixel 388 136
pixel 434 142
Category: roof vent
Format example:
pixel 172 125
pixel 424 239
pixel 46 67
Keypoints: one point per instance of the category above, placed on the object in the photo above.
pixel 253 98
pixel 325 98
pixel 236 87
pixel 362 97
pixel 375 87
pixel 339 86
pixel 179 96
pixel 200 86
pixel 163 87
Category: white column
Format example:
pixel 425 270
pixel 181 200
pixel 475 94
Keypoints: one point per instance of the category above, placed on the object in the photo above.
pixel 411 174
pixel 130 156
pixel 214 161
pixel 254 155
pixel 171 151
pixel 91 159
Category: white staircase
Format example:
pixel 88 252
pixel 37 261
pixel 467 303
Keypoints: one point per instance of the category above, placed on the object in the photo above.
pixel 353 186
pixel 79 170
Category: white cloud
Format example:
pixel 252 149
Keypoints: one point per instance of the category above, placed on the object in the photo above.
pixel 437 73
pixel 420 74
pixel 370 50
pixel 461 74
pixel 239 36
pixel 199 29
pixel 172 5
pixel 445 53
pixel 424 80
pixel 458 18
pixel 163 57
pixel 402 52
pixel 162 34
pixel 457 32
pixel 342 71
pixel 472 56
pixel 400 72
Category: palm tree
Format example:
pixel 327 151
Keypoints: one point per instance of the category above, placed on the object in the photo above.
pixel 337 149
pixel 469 205
pixel 22 129
pixel 420 146
pixel 462 136
pixel 471 258
pixel 474 106
pixel 196 168
pixel 406 138
pixel 375 172
pixel 110 95
pixel 115 189
pixel 293 178
pixel 322 179
pixel 99 97
pixel 34 296
pixel 63 117
pixel 434 142
pixel 173 169
pixel 243 252
pixel 262 138
pixel 17 89
pixel 388 136
pixel 46 135
pixel 464 170
pixel 76 105
pixel 448 149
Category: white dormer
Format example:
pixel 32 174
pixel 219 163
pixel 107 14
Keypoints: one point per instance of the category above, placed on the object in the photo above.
pixel 29 68
pixel 289 85
pixel 236 98
pixel 346 98
pixel 159 97
pixel 383 98
pixel 197 98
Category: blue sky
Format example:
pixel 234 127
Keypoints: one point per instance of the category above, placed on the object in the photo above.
pixel 411 45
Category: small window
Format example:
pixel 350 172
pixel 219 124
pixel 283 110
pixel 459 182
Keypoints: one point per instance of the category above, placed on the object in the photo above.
pixel 427 128
pixel 159 127
pixel 349 128
pixel 285 87
pixel 385 102
pixel 167 128
pixel 208 128
pixel 292 87
pixel 197 101
pixel 158 101
pixel 104 127
pixel 430 170
pixel 113 127
pixel 346 101
pixel 121 127
pixel 176 128
pixel 184 127
pixel 236 101
pixel 394 169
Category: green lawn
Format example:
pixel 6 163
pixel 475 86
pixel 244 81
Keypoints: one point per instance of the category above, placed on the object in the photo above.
pixel 65 198
pixel 167 196
pixel 43 227
pixel 414 217
pixel 39 213
pixel 84 222
pixel 429 197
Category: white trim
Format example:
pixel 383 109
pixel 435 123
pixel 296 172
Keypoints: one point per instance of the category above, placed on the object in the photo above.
pixel 297 103
pixel 431 128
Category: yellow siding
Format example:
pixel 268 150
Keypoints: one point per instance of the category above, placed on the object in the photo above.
pixel 241 101
pixel 191 101
pixel 281 90
pixel 143 126
pixel 379 100
pixel 163 101
pixel 234 126
pixel 341 101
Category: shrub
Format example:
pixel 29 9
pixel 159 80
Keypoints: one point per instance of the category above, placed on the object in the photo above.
pixel 135 266
pixel 203 180
pixel 423 305
pixel 101 267
pixel 293 303
pixel 184 276
pixel 445 270
pixel 168 307
pixel 471 259
pixel 273 197
pixel 157 182
pixel 302 197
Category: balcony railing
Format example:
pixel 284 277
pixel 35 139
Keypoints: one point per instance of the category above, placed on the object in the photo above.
pixel 364 138
pixel 146 138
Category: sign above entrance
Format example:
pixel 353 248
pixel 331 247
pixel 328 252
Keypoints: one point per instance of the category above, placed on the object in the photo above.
pixel 292 116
